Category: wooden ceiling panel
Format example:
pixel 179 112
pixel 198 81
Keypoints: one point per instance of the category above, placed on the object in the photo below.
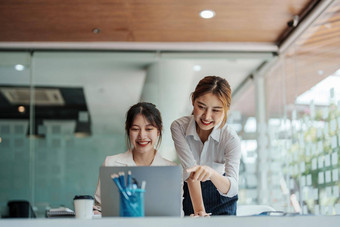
pixel 146 20
pixel 313 58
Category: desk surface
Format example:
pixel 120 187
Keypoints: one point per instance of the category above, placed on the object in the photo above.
pixel 259 221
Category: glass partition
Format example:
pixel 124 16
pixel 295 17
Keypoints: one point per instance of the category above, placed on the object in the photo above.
pixel 242 117
pixel 70 107
pixel 15 170
pixel 63 112
pixel 303 108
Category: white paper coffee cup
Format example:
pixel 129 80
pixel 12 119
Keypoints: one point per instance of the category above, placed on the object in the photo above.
pixel 83 205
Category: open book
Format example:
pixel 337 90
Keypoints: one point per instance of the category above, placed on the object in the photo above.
pixel 60 212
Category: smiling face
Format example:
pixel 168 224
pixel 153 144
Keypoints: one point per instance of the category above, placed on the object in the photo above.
pixel 208 111
pixel 143 135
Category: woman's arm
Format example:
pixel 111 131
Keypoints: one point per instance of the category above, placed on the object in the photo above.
pixel 226 185
pixel 182 147
pixel 196 197
pixel 203 173
pixel 187 160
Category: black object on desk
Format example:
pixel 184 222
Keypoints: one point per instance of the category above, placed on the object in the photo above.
pixel 20 209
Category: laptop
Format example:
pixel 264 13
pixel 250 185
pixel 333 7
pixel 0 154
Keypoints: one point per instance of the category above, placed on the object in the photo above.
pixel 163 190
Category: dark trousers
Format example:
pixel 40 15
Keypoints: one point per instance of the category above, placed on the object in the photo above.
pixel 214 203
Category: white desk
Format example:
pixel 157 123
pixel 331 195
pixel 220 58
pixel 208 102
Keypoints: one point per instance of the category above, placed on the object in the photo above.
pixel 259 221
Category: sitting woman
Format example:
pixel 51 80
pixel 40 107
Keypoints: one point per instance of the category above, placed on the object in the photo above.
pixel 143 127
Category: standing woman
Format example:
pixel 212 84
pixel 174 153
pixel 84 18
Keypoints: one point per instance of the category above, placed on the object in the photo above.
pixel 209 151
pixel 143 127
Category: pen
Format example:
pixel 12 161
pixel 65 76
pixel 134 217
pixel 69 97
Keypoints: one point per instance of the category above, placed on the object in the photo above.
pixel 115 179
pixel 143 185
pixel 122 179
pixel 125 192
pixel 129 180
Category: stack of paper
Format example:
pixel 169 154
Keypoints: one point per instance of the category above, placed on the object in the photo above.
pixel 60 212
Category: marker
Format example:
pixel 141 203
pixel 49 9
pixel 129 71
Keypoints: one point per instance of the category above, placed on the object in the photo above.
pixel 143 185
pixel 122 179
pixel 115 179
pixel 129 180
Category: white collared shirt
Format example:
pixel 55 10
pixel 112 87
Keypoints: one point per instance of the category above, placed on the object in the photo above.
pixel 126 159
pixel 222 150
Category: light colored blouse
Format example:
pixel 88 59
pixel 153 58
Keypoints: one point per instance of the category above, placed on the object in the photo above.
pixel 222 150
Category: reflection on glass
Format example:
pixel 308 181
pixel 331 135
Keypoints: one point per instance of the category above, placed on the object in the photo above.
pixel 306 138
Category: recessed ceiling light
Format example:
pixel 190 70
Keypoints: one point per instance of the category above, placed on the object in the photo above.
pixel 21 109
pixel 197 68
pixel 19 67
pixel 207 14
pixel 96 30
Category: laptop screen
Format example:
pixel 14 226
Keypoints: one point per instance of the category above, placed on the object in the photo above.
pixel 163 189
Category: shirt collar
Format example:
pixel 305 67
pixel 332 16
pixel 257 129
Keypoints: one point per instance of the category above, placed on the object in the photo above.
pixel 191 130
pixel 216 132
pixel 127 159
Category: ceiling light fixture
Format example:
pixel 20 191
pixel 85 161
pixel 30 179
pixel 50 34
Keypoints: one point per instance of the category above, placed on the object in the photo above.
pixel 19 67
pixel 96 30
pixel 293 23
pixel 21 109
pixel 207 14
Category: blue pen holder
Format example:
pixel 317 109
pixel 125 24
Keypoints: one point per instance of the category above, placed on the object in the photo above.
pixel 134 205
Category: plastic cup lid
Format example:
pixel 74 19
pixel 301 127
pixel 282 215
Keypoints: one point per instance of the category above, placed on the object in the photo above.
pixel 82 197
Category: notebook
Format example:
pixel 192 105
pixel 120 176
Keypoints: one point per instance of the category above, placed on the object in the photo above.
pixel 163 189
pixel 60 212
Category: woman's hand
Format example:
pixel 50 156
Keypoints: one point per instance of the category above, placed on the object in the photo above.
pixel 200 173
pixel 203 173
pixel 200 214
pixel 96 212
